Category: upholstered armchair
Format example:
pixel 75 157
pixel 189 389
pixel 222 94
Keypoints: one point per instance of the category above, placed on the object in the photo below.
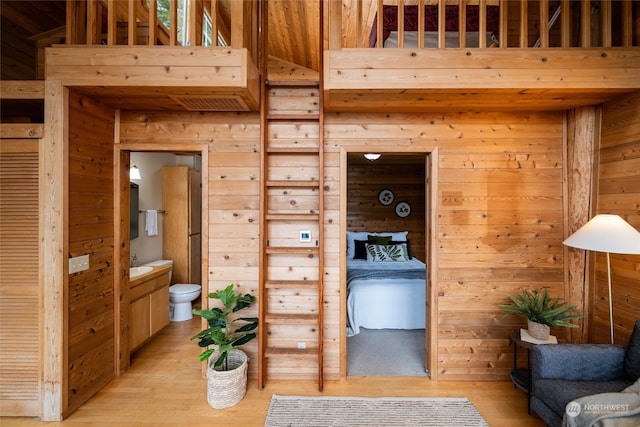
pixel 563 373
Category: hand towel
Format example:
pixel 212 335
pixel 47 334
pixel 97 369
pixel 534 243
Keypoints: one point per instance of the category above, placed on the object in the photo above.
pixel 151 225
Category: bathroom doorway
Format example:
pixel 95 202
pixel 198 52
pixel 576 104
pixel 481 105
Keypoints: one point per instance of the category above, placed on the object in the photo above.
pixel 148 246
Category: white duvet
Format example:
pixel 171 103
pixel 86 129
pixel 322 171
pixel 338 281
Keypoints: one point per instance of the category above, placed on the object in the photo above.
pixel 389 303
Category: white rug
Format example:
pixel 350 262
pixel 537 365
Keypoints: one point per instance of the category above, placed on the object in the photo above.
pixel 299 411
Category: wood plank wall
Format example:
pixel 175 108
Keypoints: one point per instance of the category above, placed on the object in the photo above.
pixel 233 191
pixel 619 193
pixel 90 299
pixel 20 64
pixel 500 220
pixel 500 216
pixel 407 181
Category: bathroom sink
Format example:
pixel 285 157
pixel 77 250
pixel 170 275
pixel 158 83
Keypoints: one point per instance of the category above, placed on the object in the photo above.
pixel 139 271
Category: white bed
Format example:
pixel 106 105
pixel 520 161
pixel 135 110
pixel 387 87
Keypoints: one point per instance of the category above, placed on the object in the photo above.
pixel 431 39
pixel 393 302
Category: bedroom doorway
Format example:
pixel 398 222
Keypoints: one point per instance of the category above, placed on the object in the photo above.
pixel 389 196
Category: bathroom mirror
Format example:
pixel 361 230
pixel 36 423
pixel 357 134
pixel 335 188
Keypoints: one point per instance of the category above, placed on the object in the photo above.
pixel 134 214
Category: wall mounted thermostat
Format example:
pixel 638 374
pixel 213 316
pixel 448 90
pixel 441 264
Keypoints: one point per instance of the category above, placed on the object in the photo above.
pixel 305 236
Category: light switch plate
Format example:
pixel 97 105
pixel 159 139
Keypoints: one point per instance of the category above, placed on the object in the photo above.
pixel 305 236
pixel 79 263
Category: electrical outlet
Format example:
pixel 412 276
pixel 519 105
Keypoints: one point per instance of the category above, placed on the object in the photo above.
pixel 305 236
pixel 302 345
pixel 79 263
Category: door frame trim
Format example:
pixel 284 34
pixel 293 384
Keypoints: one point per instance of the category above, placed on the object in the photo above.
pixel 431 224
pixel 122 248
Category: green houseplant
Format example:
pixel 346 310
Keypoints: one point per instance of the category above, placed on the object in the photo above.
pixel 227 365
pixel 540 309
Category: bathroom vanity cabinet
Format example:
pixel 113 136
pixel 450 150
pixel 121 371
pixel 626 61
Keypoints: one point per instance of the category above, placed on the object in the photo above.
pixel 149 305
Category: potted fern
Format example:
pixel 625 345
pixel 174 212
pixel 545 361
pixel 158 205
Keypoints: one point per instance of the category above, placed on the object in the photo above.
pixel 541 311
pixel 227 365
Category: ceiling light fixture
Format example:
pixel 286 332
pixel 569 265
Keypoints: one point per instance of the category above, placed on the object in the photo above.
pixel 372 156
pixel 134 172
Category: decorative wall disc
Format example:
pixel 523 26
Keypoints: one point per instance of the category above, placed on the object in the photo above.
pixel 386 197
pixel 403 209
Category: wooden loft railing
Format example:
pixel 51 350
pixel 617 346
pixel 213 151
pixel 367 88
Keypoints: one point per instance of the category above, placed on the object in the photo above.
pixel 96 22
pixel 498 23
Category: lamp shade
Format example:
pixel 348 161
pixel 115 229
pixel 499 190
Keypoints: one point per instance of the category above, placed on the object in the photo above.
pixel 606 233
pixel 134 172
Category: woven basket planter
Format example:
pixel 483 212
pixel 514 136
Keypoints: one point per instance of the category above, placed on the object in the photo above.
pixel 538 330
pixel 227 388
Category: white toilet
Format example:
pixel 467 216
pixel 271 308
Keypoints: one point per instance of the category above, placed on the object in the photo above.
pixel 180 295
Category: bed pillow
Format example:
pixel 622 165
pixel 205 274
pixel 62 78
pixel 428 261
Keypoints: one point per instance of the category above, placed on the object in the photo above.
pixel 360 248
pixel 352 236
pixel 387 253
pixel 397 236
pixel 379 240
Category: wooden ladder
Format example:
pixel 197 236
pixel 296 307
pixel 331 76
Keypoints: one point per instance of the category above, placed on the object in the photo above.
pixel 291 222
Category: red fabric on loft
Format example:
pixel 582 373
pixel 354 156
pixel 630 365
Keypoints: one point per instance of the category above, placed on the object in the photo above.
pixel 390 20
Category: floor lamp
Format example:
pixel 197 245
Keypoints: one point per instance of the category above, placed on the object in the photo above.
pixel 606 233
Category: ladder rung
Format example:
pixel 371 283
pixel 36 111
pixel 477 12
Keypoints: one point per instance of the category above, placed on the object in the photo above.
pixel 292 83
pixel 295 353
pixel 293 150
pixel 292 183
pixel 291 284
pixel 314 117
pixel 271 250
pixel 293 217
pixel 291 318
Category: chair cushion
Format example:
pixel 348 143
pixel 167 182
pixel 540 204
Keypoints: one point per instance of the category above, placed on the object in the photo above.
pixel 557 393
pixel 631 366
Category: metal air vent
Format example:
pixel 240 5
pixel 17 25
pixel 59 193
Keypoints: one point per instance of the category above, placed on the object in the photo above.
pixel 212 103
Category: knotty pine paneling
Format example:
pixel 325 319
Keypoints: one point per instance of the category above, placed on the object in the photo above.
pixel 403 175
pixel 90 296
pixel 500 219
pixel 19 272
pixel 499 208
pixel 618 193
pixel 234 190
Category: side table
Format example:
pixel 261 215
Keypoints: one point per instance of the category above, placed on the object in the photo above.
pixel 520 376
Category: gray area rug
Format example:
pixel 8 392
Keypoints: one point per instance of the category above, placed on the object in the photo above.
pixel 386 352
pixel 336 411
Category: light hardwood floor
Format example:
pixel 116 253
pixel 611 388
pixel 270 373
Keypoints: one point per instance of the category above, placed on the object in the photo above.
pixel 164 387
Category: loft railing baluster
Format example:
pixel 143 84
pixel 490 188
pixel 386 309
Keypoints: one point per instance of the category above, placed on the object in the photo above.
pixel 400 24
pixel 544 23
pixel 524 24
pixel 462 23
pixel 153 22
pixel 605 23
pixel 420 23
pixel 627 17
pixel 504 24
pixel 379 25
pixel 585 23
